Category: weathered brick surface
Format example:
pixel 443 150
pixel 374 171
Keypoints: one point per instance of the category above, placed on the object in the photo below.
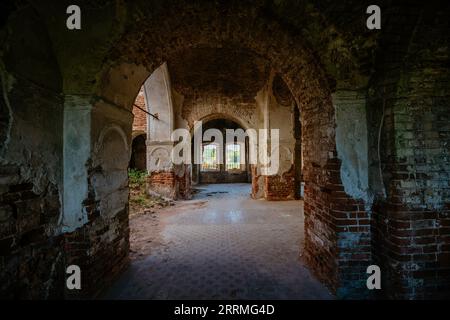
pixel 183 182
pixel 256 178
pixel 174 184
pixel 411 223
pixel 315 46
pixel 280 187
pixel 337 235
pixel 308 85
pixel 28 256
pixel 31 258
pixel 100 261
pixel 163 178
pixel 208 107
pixel 140 117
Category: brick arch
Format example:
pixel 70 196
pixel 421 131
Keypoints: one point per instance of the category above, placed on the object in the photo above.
pixel 126 40
pixel 243 111
pixel 150 42
pixel 225 121
pixel 214 116
pixel 137 133
pixel 147 43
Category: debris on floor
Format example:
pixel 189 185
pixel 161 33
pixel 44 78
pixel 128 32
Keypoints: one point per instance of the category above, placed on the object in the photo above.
pixel 140 201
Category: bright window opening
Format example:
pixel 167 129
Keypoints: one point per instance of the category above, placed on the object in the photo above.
pixel 233 157
pixel 210 157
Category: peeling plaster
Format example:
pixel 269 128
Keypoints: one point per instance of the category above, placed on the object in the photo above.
pixel 77 150
pixel 352 145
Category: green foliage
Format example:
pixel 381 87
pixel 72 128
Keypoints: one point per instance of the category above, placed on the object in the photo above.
pixel 136 177
pixel 139 199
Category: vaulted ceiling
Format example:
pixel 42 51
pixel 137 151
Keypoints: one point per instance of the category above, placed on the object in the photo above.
pixel 224 72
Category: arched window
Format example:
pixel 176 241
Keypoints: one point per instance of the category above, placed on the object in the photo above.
pixel 210 157
pixel 233 156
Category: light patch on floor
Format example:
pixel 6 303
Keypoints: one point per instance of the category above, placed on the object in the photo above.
pixel 220 245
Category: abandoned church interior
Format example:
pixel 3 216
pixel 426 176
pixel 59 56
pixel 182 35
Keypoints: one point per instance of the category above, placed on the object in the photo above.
pixel 362 121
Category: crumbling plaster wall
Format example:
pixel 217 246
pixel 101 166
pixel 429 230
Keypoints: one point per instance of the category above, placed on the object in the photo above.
pixel 352 143
pixel 100 71
pixel 165 178
pixel 271 114
pixel 408 97
pixel 31 258
pixel 96 156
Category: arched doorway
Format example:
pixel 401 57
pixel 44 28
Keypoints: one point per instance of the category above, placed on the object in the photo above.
pixel 231 166
pixel 98 86
pixel 63 168
pixel 138 159
pixel 309 86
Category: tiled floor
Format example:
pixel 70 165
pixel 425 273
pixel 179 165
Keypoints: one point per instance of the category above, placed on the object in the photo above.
pixel 224 245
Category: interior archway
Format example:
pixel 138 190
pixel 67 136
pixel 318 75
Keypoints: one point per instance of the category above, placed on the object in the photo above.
pixel 373 106
pixel 131 61
pixel 133 40
pixel 138 159
pixel 234 167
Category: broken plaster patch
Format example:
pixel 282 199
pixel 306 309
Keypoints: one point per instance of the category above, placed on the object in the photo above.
pixel 352 147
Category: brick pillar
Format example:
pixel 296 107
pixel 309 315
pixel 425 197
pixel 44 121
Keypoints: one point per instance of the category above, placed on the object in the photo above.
pixel 337 239
pixel 280 187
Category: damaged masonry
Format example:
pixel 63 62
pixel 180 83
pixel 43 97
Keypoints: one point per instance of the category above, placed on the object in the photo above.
pixel 362 147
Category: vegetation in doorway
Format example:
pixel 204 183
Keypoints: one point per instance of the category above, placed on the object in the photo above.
pixel 140 201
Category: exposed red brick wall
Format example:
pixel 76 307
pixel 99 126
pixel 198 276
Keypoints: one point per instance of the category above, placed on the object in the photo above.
pixel 411 225
pixel 171 184
pixel 337 235
pixel 413 247
pixel 312 89
pixel 140 117
pixel 28 255
pixel 411 218
pixel 100 247
pixel 255 176
pixel 162 178
pixel 184 184
pixel 201 107
pixel 100 261
pixel 280 187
